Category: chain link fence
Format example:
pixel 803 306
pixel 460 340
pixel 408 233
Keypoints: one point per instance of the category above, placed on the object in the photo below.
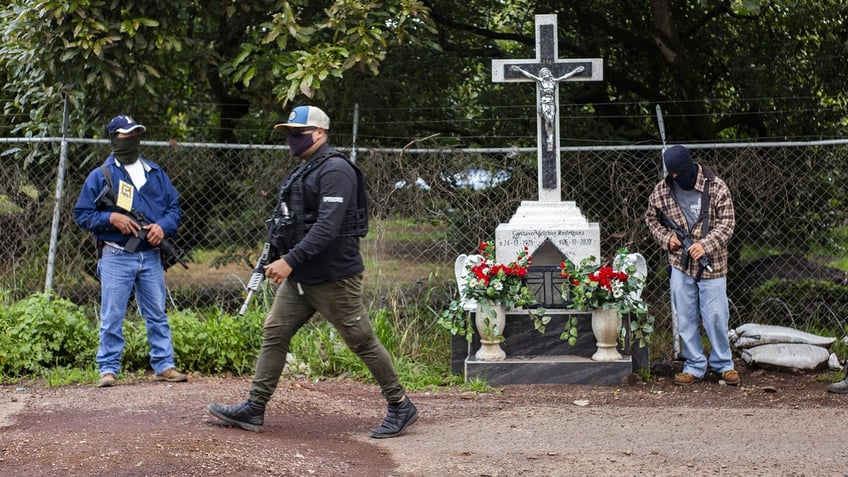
pixel 429 205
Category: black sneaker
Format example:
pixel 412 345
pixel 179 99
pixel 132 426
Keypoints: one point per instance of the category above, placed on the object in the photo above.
pixel 398 417
pixel 248 415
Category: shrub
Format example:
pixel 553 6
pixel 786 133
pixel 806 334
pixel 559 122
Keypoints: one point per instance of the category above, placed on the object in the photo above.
pixel 816 303
pixel 219 343
pixel 216 344
pixel 43 331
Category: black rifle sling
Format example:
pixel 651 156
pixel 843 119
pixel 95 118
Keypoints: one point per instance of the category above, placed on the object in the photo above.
pixel 705 201
pixel 99 244
pixel 107 174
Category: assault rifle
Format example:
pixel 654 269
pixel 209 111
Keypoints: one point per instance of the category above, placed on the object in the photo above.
pixel 686 240
pixel 106 200
pixel 271 251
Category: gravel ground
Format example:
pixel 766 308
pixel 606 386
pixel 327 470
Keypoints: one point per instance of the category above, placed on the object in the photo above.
pixel 774 424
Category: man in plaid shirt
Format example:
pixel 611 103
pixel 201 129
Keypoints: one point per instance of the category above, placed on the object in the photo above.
pixel 698 269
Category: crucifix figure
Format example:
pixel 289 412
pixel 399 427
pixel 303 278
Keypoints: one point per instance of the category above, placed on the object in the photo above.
pixel 547 100
pixel 547 71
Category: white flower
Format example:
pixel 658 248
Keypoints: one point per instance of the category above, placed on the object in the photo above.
pixel 617 289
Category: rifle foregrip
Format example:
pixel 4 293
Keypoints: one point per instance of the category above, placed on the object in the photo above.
pixel 252 286
pixel 256 277
pixel 255 280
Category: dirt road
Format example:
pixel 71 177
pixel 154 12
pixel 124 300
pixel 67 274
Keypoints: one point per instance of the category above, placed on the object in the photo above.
pixel 775 424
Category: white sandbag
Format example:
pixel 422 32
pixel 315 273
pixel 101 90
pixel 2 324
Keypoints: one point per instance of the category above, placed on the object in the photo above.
pixel 787 355
pixel 752 334
pixel 833 362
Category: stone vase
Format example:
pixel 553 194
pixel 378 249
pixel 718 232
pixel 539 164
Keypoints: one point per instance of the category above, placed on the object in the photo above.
pixel 490 320
pixel 606 325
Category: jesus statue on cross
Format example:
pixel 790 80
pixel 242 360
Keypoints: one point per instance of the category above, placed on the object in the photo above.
pixel 547 98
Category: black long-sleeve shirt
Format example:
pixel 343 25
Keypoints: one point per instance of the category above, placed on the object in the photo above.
pixel 328 191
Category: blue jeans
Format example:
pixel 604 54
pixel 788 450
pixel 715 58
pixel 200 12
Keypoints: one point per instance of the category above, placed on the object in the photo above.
pixel 706 299
pixel 120 273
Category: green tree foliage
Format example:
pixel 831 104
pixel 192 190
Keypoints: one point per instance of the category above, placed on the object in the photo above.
pixel 714 66
pixel 145 56
pixel 423 68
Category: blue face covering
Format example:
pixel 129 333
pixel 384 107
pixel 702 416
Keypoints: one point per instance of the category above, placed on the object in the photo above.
pixel 677 160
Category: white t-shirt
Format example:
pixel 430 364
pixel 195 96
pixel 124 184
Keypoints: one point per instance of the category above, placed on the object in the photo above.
pixel 137 174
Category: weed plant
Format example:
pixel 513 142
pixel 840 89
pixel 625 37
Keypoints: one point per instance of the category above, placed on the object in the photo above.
pixel 41 332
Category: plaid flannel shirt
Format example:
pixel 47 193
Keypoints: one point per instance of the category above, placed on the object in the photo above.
pixel 722 221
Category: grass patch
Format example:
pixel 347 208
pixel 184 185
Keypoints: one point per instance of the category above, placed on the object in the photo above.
pixel 840 246
pixel 749 253
pixel 399 272
pixel 61 375
pixel 830 376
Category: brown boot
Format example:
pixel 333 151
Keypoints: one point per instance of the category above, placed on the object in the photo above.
pixel 172 376
pixel 685 379
pixel 730 377
pixel 106 381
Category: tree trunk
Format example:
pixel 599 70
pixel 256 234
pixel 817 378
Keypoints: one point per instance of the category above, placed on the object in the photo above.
pixel 685 75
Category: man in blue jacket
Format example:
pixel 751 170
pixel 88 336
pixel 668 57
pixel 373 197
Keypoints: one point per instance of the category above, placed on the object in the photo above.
pixel 321 270
pixel 129 259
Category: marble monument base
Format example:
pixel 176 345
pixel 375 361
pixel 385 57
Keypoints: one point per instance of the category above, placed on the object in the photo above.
pixel 563 369
pixel 536 358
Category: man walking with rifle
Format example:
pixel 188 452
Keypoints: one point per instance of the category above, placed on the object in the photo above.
pixel 131 207
pixel 690 214
pixel 320 216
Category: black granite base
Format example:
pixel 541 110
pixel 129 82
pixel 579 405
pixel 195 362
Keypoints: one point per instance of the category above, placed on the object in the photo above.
pixel 544 358
pixel 550 370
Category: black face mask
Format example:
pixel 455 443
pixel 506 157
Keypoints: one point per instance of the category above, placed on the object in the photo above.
pixel 678 160
pixel 300 143
pixel 125 149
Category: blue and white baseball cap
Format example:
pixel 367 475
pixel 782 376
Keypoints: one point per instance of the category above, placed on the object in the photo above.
pixel 123 124
pixel 306 116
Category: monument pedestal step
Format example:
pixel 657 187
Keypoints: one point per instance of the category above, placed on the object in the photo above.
pixel 556 369
pixel 540 358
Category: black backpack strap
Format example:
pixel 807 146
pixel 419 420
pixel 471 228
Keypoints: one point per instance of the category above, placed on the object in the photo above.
pixel 98 243
pixel 107 174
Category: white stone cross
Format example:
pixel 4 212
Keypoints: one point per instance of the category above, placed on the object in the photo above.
pixel 547 71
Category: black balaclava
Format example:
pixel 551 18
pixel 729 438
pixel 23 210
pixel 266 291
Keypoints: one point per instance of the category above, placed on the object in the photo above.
pixel 677 159
pixel 125 149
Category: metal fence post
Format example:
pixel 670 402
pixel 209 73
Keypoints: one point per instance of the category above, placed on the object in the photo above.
pixel 355 130
pixel 57 202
